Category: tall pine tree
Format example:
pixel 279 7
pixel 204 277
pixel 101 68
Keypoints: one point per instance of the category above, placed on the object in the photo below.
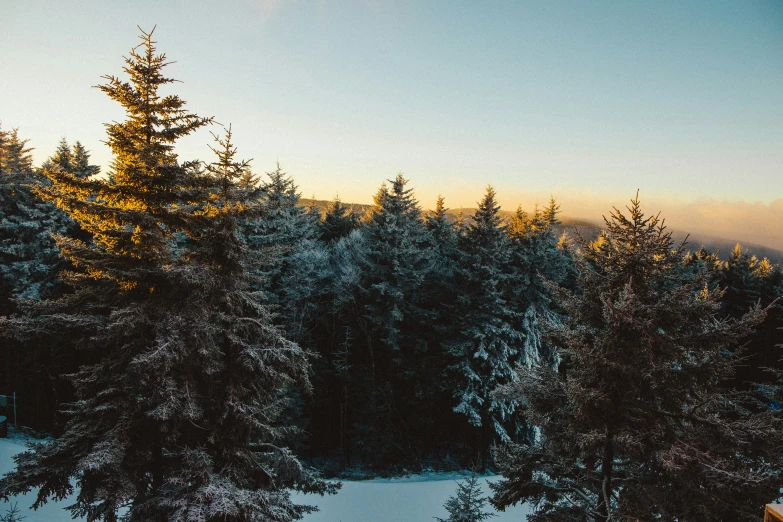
pixel 635 423
pixel 488 342
pixel 183 369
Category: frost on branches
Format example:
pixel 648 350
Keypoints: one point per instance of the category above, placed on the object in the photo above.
pixel 640 420
pixel 183 374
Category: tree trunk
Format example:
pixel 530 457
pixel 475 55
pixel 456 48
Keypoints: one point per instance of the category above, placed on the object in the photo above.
pixel 605 489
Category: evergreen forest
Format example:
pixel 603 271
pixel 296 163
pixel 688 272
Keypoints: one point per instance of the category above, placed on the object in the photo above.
pixel 198 341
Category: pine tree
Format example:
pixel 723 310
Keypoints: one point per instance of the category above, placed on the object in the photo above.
pixel 183 370
pixel 635 423
pixel 74 161
pixel 388 321
pixel 468 505
pixel 61 158
pixel 488 343
pixel 338 222
pixel 29 266
pixel 80 162
pixel 277 233
pixel 14 153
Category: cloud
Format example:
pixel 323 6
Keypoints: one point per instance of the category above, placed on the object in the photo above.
pixel 760 223
pixel 743 221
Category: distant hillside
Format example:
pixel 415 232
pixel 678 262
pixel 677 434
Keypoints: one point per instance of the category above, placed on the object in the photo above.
pixel 724 246
pixel 695 240
pixel 322 205
pixel 589 229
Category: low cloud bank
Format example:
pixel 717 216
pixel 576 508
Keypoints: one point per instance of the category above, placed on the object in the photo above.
pixel 749 223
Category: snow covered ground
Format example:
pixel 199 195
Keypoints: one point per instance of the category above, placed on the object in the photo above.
pixel 413 499
pixel 51 512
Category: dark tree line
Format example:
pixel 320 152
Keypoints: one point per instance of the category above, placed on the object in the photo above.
pixel 648 415
pixel 181 324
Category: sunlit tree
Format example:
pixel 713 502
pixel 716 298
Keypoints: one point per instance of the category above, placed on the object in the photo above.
pixel 636 422
pixel 175 417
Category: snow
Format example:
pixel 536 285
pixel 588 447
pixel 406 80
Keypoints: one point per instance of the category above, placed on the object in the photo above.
pixel 416 498
pixel 50 512
pixel 413 498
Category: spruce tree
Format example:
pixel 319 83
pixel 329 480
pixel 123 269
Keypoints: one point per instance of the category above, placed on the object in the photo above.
pixel 3 141
pixel 468 505
pixel 29 266
pixel 396 260
pixel 14 153
pixel 747 280
pixel 61 158
pixel 177 396
pixel 338 222
pixel 74 161
pixel 441 227
pixel 277 233
pixel 488 342
pixel 536 256
pixel 635 423
pixel 80 162
pixel 28 256
pixel 388 321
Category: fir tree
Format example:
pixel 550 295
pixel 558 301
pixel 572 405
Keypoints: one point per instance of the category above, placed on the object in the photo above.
pixel 338 222
pixel 80 162
pixel 178 395
pixel 278 231
pixel 389 320
pixel 14 153
pixel 468 505
pixel 61 158
pixel 74 161
pixel 488 342
pixel 635 422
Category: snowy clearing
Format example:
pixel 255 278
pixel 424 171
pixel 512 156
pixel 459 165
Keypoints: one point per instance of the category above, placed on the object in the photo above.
pixel 416 498
pixel 395 500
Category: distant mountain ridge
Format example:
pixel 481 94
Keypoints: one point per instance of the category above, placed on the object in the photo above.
pixel 591 228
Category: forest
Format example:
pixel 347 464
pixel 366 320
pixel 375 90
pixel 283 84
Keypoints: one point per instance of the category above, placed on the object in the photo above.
pixel 198 341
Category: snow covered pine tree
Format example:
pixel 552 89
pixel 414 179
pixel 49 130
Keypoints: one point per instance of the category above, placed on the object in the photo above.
pixel 468 505
pixel 638 422
pixel 28 255
pixel 176 411
pixel 29 267
pixel 488 344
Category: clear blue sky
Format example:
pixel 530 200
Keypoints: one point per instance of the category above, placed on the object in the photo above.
pixel 681 99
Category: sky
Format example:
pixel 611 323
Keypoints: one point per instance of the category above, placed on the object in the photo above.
pixel 586 101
